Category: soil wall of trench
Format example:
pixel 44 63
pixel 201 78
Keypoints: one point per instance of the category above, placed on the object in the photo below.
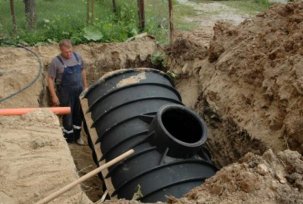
pixel 19 67
pixel 246 82
pixel 34 158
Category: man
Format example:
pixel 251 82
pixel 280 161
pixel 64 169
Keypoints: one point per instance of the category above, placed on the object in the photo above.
pixel 66 80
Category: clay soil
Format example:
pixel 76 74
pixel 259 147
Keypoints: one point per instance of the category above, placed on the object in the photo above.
pixel 246 82
pixel 253 179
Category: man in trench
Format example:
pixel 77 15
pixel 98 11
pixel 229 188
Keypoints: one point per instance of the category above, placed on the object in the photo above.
pixel 66 80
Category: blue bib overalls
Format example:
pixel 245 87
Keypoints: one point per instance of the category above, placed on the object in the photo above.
pixel 69 91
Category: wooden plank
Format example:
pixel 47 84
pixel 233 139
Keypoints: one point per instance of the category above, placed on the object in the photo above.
pixel 94 136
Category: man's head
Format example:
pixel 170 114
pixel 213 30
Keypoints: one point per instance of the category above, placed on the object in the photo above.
pixel 66 48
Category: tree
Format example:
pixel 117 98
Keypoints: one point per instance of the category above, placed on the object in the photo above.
pixel 170 18
pixel 30 12
pixel 114 6
pixel 141 14
pixel 90 11
pixel 12 7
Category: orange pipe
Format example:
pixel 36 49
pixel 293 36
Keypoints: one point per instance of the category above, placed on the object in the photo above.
pixel 21 111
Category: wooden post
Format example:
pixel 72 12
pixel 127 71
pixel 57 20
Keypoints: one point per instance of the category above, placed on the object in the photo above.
pixel 90 11
pixel 114 6
pixel 93 11
pixel 12 7
pixel 141 14
pixel 30 12
pixel 171 25
pixel 87 11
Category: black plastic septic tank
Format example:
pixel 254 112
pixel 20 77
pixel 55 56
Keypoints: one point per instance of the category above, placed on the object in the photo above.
pixel 140 109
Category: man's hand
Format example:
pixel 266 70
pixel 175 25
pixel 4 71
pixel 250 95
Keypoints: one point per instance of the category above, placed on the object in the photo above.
pixel 51 87
pixel 55 100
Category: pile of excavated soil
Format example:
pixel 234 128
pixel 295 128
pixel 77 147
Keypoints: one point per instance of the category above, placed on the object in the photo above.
pixel 18 67
pixel 249 83
pixel 254 179
pixel 35 160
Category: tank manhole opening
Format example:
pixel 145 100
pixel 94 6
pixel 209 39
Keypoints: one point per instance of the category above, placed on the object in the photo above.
pixel 182 124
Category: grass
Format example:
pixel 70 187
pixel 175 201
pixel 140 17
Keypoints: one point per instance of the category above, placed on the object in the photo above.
pixel 57 19
pixel 243 7
pixel 250 7
pixel 64 18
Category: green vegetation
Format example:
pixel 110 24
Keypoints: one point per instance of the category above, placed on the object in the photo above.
pixel 58 19
pixel 250 7
pixel 67 19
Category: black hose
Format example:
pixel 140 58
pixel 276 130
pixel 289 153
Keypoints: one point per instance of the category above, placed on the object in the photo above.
pixel 36 77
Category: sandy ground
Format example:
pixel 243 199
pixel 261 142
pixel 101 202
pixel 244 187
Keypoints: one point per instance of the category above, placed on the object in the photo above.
pixel 35 160
pixel 246 83
pixel 17 69
pixel 100 58
pixel 82 156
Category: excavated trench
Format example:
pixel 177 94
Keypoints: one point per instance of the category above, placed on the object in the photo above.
pixel 224 151
pixel 239 83
pixel 99 60
pixel 226 141
pixel 140 109
pixel 99 66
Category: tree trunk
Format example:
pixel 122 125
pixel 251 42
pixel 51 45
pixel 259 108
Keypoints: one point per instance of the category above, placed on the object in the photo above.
pixel 114 6
pixel 171 25
pixel 30 12
pixel 141 14
pixel 87 12
pixel 12 7
pixel 90 11
pixel 93 11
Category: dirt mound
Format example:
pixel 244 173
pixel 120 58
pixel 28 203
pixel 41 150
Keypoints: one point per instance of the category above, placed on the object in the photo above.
pixel 250 83
pixel 254 179
pixel 35 160
pixel 265 56
pixel 190 45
